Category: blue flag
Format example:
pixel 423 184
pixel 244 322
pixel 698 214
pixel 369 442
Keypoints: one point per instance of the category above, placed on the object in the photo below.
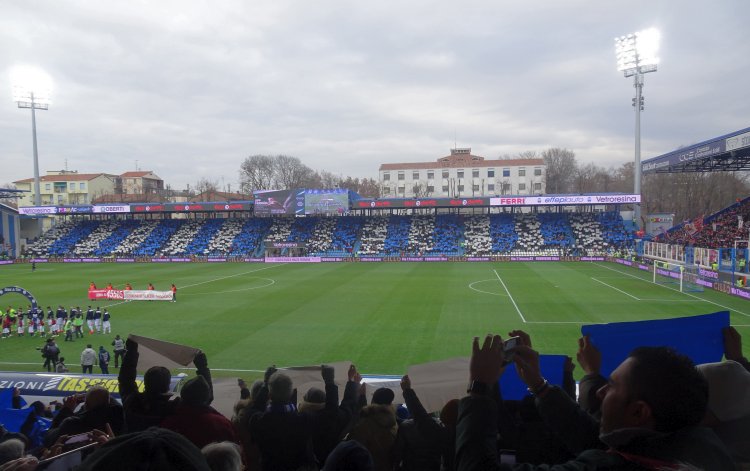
pixel 698 337
pixel 513 388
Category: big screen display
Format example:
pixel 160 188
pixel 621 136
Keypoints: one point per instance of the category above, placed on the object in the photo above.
pixel 326 201
pixel 279 202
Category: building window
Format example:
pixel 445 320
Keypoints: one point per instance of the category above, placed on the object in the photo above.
pixel 491 187
pixel 506 187
pixel 522 172
pixel 445 188
pixel 475 188
pixel 386 191
pixel 59 199
pixel 72 187
pixel 460 188
pixel 445 174
pixel 415 175
pixel 506 172
pixel 401 190
pixel 537 172
pixel 81 186
pixel 430 175
pixel 521 187
pixel 400 175
pixel 475 173
pixel 386 177
pixel 47 187
pixel 430 190
pixel 490 173
pixel 460 173
pixel 537 187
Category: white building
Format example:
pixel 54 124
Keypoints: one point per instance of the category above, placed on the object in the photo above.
pixel 462 174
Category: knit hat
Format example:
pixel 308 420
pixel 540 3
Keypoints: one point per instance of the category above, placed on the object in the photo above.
pixel 383 396
pixel 153 449
pixel 196 391
pixel 315 395
pixel 349 456
pixel 728 389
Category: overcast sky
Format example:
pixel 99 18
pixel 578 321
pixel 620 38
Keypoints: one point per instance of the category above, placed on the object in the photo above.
pixel 190 88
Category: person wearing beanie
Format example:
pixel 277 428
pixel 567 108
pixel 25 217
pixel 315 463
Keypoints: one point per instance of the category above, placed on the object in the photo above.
pixel 421 441
pixel 196 420
pixel 149 408
pixel 283 435
pixel 728 411
pixel 349 456
pixel 329 419
pixel 154 449
pixel 383 396
pixel 376 428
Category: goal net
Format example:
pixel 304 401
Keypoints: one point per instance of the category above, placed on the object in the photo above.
pixel 681 277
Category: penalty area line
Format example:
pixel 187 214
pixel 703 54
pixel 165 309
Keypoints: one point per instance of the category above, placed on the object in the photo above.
pixel 616 289
pixel 676 290
pixel 510 296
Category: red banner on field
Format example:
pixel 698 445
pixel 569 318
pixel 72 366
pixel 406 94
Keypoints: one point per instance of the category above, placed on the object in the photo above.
pixel 97 294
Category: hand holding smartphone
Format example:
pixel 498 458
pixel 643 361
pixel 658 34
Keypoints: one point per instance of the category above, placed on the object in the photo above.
pixel 508 346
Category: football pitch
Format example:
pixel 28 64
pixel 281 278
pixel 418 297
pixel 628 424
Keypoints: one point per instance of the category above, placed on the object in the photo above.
pixel 382 316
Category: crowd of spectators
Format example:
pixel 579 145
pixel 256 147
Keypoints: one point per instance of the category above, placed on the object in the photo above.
pixel 385 236
pixel 720 230
pixel 657 410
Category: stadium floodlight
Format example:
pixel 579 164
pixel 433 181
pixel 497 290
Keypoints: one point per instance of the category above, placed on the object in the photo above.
pixel 637 55
pixel 32 88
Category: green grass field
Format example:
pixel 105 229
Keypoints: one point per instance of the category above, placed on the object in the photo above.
pixel 382 316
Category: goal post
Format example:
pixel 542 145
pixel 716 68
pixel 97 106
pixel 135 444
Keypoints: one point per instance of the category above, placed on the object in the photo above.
pixel 682 277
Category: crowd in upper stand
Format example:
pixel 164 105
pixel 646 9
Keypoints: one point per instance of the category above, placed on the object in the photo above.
pixel 656 411
pixel 720 230
pixel 347 236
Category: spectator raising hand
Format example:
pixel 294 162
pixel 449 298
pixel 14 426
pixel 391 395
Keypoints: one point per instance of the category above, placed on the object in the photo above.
pixel 588 356
pixel 733 347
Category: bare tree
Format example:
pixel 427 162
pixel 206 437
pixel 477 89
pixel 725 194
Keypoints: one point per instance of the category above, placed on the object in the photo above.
pixel 290 172
pixel 256 173
pixel 420 190
pixel 561 169
pixel 205 185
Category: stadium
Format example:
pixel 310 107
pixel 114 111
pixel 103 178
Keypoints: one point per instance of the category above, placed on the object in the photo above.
pixel 334 323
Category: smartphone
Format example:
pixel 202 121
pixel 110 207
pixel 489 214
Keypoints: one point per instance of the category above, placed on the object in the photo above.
pixel 65 454
pixel 508 346
pixel 76 441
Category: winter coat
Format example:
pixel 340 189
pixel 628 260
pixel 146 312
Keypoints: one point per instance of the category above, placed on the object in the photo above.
pixel 376 430
pixel 201 425
pixel 477 429
pixel 88 357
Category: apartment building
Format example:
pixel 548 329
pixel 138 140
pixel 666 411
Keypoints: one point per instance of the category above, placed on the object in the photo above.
pixel 462 174
pixel 66 187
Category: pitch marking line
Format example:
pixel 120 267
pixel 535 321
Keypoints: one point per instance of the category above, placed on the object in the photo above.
pixel 511 297
pixel 231 276
pixel 667 287
pixel 471 287
pixel 272 282
pixel 211 281
pixel 616 289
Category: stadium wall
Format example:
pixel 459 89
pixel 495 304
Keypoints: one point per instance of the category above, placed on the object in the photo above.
pixel 9 231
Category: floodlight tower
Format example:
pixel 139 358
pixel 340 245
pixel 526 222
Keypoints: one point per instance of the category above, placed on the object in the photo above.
pixel 31 89
pixel 636 56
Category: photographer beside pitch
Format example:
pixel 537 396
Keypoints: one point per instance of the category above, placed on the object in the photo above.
pixel 650 411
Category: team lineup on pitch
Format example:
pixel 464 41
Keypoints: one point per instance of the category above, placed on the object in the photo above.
pixel 383 316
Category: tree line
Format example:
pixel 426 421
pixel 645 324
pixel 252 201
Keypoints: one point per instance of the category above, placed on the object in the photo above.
pixel 686 195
